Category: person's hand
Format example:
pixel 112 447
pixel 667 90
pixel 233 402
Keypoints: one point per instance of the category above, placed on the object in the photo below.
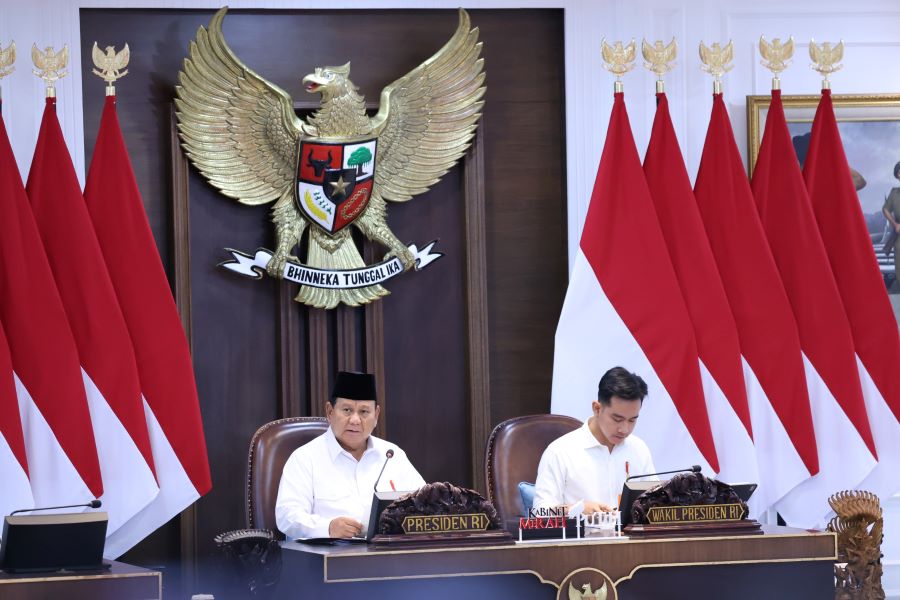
pixel 594 507
pixel 344 527
pixel 897 227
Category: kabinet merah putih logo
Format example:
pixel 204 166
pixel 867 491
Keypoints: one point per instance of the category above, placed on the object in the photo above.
pixel 337 168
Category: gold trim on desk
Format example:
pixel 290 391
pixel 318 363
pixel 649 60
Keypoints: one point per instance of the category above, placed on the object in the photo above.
pixel 75 577
pixel 724 562
pixel 571 542
pixel 556 585
pixel 540 577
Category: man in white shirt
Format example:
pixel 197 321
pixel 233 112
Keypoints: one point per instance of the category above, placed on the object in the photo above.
pixel 592 462
pixel 327 485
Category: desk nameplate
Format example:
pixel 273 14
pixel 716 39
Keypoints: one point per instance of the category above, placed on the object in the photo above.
pixel 435 524
pixel 699 513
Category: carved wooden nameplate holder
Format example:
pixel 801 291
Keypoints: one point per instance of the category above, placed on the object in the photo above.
pixel 440 513
pixel 690 504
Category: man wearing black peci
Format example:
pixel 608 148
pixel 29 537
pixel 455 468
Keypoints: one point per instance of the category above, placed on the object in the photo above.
pixel 327 485
pixel 592 462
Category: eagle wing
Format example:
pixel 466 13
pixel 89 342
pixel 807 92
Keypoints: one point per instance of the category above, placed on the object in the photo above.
pixel 573 593
pixel 788 48
pixel 99 57
pixel 671 51
pixel 122 58
pixel 238 129
pixel 427 118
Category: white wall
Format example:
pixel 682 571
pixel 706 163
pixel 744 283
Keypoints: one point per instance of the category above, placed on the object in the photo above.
pixel 869 28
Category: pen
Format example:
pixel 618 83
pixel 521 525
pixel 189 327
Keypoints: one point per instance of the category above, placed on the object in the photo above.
pixel 392 485
pixel 626 469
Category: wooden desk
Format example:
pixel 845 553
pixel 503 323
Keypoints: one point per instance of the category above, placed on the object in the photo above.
pixel 119 582
pixel 783 563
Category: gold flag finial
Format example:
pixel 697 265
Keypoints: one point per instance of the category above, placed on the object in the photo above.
pixel 619 60
pixel 7 59
pixel 717 61
pixel 826 59
pixel 776 56
pixel 659 59
pixel 51 66
pixel 110 64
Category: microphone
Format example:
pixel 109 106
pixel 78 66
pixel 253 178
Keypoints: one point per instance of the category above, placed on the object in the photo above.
pixel 694 469
pixel 387 456
pixel 92 504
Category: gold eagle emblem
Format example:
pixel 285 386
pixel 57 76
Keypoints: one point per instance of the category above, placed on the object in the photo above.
pixel 50 65
pixel 109 64
pixel 587 593
pixel 658 58
pixel 716 59
pixel 242 134
pixel 619 57
pixel 826 58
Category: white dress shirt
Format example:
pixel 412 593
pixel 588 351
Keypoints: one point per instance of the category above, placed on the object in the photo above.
pixel 578 467
pixel 322 481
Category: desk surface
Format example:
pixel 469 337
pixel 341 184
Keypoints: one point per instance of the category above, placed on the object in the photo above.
pixel 120 582
pixel 552 561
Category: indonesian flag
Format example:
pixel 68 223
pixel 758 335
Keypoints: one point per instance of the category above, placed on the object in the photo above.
pixel 171 406
pixel 845 445
pixel 13 462
pixel 623 307
pixel 108 366
pixel 717 338
pixel 770 345
pixel 59 441
pixel 872 323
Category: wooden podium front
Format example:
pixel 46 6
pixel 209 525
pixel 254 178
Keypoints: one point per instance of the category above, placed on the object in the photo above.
pixel 782 563
pixel 119 582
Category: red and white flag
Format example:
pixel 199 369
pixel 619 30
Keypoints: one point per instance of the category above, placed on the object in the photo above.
pixel 13 461
pixel 773 367
pixel 107 359
pixel 171 405
pixel 623 307
pixel 845 445
pixel 859 281
pixel 59 441
pixel 717 338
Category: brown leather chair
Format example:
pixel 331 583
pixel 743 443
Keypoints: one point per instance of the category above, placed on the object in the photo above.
pixel 513 453
pixel 270 448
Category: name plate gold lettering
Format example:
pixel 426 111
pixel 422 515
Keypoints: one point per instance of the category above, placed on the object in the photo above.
pixel 416 524
pixel 703 513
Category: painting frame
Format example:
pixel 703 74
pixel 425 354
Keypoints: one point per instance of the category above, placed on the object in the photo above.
pixel 870 127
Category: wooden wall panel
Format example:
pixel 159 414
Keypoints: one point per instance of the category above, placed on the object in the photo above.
pixel 475 326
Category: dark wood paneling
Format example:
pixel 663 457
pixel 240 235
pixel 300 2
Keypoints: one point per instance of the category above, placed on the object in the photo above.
pixel 526 210
pixel 466 341
pixel 478 355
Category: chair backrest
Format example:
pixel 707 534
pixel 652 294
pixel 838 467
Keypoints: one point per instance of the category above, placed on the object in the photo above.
pixel 513 453
pixel 270 448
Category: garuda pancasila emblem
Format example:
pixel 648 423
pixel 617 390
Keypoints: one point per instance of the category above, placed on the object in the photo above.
pixel 334 170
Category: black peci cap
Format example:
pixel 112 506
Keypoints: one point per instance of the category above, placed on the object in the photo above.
pixel 354 386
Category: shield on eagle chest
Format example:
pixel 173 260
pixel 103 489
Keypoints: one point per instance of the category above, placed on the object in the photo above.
pixel 334 181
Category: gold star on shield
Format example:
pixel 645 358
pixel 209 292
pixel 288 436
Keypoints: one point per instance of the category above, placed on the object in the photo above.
pixel 340 187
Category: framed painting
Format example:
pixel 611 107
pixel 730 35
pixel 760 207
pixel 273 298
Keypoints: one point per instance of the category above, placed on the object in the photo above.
pixel 870 130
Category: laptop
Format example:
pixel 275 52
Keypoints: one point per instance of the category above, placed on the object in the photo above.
pixel 58 542
pixel 380 501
